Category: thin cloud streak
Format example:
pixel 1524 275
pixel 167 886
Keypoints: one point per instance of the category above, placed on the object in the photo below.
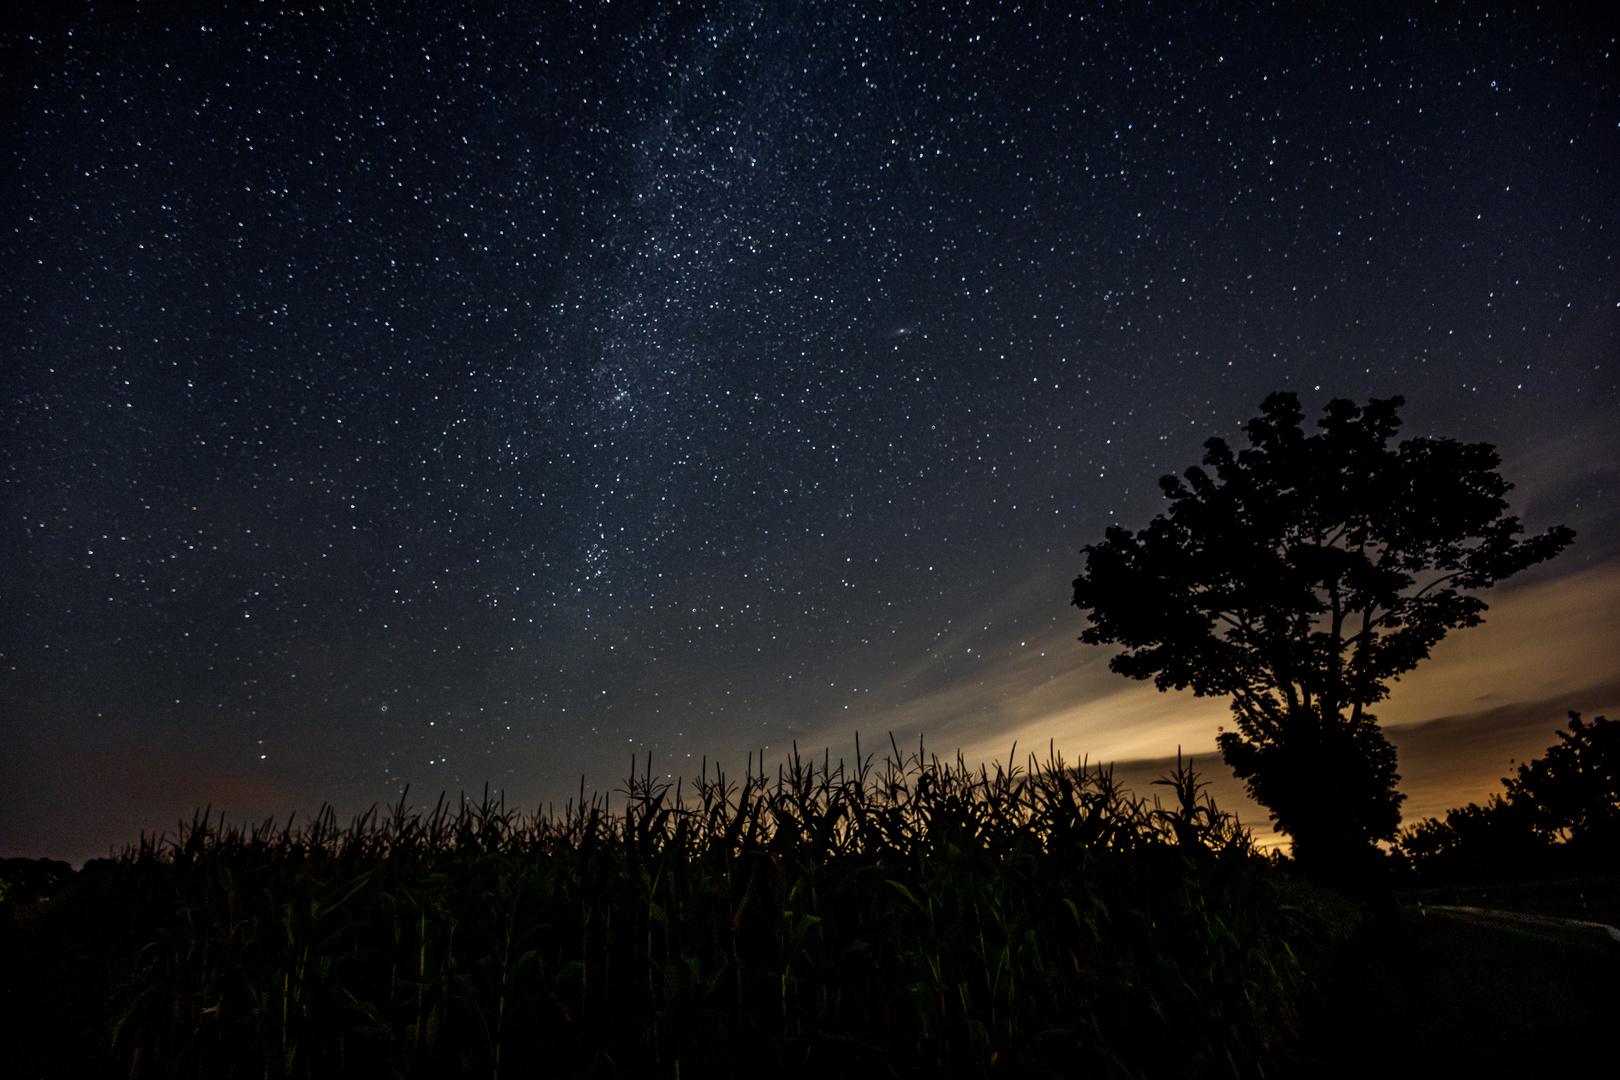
pixel 1487 695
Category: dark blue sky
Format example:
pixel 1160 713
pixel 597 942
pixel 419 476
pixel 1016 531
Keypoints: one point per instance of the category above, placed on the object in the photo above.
pixel 440 397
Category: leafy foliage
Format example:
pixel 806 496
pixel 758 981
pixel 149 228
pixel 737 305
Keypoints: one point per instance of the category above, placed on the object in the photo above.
pixel 1573 790
pixel 1299 576
pixel 1558 813
pixel 26 880
pixel 913 918
pixel 1478 843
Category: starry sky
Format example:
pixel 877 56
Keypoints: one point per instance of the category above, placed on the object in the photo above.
pixel 443 395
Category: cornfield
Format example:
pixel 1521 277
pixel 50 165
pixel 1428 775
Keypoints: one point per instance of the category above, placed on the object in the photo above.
pixel 909 917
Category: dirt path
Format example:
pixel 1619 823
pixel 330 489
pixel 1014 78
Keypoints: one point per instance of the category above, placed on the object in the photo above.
pixel 1467 991
pixel 1544 927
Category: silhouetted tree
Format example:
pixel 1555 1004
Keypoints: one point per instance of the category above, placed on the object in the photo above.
pixel 23 881
pixel 1559 814
pixel 1572 792
pixel 1495 842
pixel 1298 576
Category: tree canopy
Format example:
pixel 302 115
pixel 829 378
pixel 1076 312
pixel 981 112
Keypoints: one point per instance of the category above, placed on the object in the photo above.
pixel 1559 814
pixel 1299 576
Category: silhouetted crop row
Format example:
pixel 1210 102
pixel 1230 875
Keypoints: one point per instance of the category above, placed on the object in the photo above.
pixel 914 917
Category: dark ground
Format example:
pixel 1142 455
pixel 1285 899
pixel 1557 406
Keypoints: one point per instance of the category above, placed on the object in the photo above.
pixel 1477 981
pixel 1453 993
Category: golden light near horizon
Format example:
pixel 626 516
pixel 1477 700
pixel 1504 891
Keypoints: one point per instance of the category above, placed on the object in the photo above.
pixel 1486 696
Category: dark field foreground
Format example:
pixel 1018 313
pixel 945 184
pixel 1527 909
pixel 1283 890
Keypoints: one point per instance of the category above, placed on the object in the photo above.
pixel 914 919
pixel 1470 992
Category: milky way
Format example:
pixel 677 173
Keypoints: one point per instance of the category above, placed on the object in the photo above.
pixel 442 399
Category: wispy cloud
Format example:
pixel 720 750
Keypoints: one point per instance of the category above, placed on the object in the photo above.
pixel 1488 694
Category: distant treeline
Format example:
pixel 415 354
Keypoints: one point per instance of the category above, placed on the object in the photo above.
pixel 910 918
pixel 1557 816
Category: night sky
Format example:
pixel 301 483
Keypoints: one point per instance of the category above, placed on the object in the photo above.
pixel 403 397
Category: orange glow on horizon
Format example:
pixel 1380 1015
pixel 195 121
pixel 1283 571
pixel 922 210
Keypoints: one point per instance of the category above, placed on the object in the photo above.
pixel 1487 696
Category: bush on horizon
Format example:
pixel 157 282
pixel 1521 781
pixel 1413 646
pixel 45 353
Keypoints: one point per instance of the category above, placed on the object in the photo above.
pixel 1557 815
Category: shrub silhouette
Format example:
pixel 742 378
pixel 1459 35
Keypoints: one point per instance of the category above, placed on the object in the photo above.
pixel 1558 814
